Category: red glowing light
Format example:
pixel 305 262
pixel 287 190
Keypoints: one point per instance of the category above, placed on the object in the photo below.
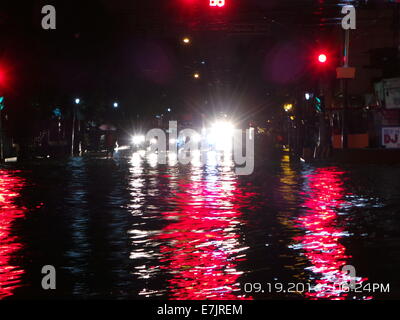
pixel 217 3
pixel 2 77
pixel 322 58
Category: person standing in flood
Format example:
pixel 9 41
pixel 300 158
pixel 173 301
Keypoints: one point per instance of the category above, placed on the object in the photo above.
pixel 110 143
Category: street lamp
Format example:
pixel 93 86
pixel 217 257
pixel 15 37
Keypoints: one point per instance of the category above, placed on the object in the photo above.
pixel 186 40
pixel 77 101
pixel 288 107
pixel 196 75
pixel 115 105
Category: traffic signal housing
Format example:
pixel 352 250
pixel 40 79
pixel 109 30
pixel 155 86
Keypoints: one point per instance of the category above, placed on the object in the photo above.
pixel 319 104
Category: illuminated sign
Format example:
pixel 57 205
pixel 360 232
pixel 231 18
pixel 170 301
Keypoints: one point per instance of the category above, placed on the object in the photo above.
pixel 391 137
pixel 217 3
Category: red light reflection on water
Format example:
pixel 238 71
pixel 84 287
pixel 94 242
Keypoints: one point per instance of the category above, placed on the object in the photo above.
pixel 203 246
pixel 10 274
pixel 321 241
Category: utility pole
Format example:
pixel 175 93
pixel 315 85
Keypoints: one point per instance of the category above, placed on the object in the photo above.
pixel 73 133
pixel 74 109
pixel 1 137
pixel 1 130
pixel 345 90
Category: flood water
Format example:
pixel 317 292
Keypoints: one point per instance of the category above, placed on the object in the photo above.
pixel 129 229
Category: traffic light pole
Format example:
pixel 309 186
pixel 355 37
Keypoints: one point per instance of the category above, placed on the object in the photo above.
pixel 345 91
pixel 1 138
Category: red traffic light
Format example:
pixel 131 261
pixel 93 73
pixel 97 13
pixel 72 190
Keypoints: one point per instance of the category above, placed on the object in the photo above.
pixel 322 58
pixel 2 76
pixel 6 78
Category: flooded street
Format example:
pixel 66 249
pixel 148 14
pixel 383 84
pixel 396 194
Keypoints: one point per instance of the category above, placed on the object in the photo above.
pixel 128 228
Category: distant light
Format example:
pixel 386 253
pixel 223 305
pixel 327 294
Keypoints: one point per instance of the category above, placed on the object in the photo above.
pixel 308 96
pixel 196 75
pixel 288 107
pixel 138 139
pixel 322 58
pixel 115 104
pixel 221 135
pixel 169 109
pixel 121 148
pixel 186 40
pixel 77 101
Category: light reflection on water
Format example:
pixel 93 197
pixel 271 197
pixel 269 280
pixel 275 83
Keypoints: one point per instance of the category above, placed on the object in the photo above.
pixel 129 228
pixel 10 273
pixel 323 233
pixel 199 246
pixel 322 195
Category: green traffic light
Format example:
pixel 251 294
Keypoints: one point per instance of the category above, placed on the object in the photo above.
pixel 319 104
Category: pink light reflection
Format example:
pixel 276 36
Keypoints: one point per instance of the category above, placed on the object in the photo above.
pixel 10 274
pixel 321 241
pixel 203 246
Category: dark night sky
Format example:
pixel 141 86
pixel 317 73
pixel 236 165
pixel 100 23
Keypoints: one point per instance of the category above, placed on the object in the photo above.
pixel 130 50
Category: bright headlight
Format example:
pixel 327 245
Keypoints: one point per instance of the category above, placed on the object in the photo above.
pixel 221 135
pixel 223 127
pixel 138 139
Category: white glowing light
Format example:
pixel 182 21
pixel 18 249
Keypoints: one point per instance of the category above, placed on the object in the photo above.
pixel 136 160
pixel 152 160
pixel 221 135
pixel 138 139
pixel 121 148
